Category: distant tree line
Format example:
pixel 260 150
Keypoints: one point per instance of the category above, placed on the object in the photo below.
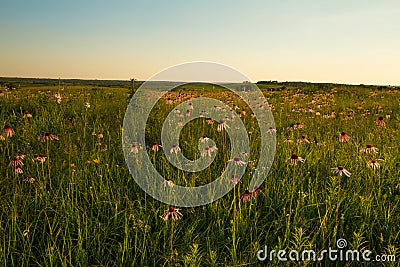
pixel 15 82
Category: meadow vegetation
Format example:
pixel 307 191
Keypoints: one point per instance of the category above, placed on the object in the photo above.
pixel 67 198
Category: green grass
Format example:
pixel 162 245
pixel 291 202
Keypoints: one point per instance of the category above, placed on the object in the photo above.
pixel 84 208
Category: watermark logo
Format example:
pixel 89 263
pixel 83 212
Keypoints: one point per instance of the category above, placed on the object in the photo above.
pixel 340 253
pixel 147 96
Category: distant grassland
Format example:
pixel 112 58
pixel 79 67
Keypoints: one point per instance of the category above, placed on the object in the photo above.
pixel 84 209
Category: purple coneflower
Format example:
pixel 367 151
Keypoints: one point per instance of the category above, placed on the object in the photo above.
pixel 168 182
pixel 271 130
pixel 303 139
pixel 16 162
pixel 340 170
pixel 175 149
pixel 256 191
pixel 172 213
pixel 210 121
pixel 155 147
pixel 294 158
pixel 238 161
pixel 297 125
pixel 245 196
pixel 27 115
pixel 234 180
pixel 134 149
pixel 187 113
pixel 373 164
pixel 58 98
pixel 208 150
pixel 47 136
pixel 202 113
pixel 20 156
pixel 369 148
pixel 344 137
pixel 222 125
pixel 8 131
pixel 39 157
pixel 29 179
pixel 380 121
pixel 203 139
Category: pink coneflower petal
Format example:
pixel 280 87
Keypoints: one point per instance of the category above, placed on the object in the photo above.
pixel 208 150
pixel 168 182
pixel 8 131
pixel 155 147
pixel 341 171
pixel 29 179
pixel 39 157
pixel 373 164
pixel 294 158
pixel 175 149
pixel 20 156
pixel 16 163
pixel 257 191
pixel 234 180
pixel 303 139
pixel 344 137
pixel 134 149
pixel 18 171
pixel 369 148
pixel 245 196
pixel 380 121
pixel 27 115
pixel 47 137
pixel 203 139
pixel 172 213
pixel 222 126
pixel 237 161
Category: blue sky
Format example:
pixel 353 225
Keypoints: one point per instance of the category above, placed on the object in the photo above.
pixel 332 41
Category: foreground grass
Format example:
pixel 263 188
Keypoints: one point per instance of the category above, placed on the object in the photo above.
pixel 84 209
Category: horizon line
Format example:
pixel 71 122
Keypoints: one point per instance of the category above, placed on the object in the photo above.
pixel 137 80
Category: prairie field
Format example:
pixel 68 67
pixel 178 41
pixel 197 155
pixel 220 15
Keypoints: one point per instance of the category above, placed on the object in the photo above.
pixel 67 197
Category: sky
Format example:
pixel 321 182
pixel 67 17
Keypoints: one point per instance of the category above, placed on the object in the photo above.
pixel 353 41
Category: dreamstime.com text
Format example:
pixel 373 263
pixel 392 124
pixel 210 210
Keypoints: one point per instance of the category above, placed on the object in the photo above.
pixel 338 254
